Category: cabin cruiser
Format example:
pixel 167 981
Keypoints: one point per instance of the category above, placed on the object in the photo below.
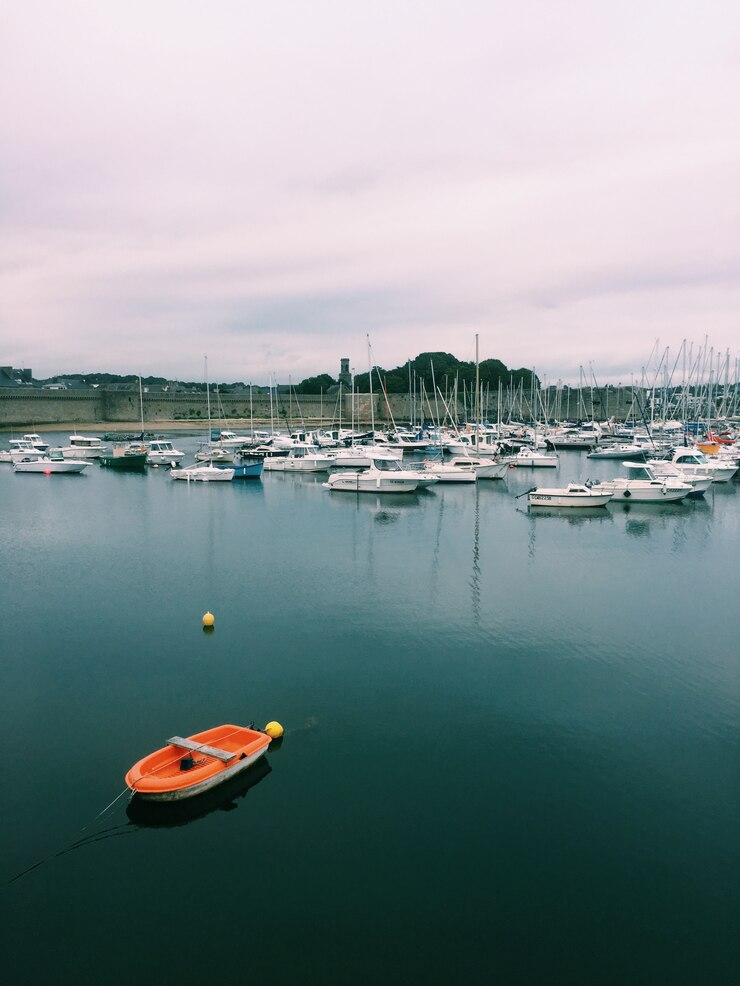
pixel 529 458
pixel 699 482
pixel 300 458
pixel 383 476
pixel 53 462
pixel 19 449
pixel 228 439
pixel 163 453
pixel 83 447
pixel 692 461
pixel 363 456
pixel 30 438
pixel 643 486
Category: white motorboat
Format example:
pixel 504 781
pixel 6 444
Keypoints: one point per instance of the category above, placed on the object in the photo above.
pixel 572 495
pixel 582 438
pixel 26 452
pixel 203 474
pixel 529 458
pixel 622 451
pixel 213 454
pixel 692 461
pixel 644 487
pixel 228 439
pixel 163 453
pixel 300 458
pixel 362 456
pixel 461 469
pixel 699 482
pixel 380 477
pixel 30 438
pixel 467 443
pixel 485 468
pixel 83 447
pixel 50 464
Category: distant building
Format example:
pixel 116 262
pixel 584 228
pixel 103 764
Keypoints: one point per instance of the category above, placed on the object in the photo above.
pixel 10 377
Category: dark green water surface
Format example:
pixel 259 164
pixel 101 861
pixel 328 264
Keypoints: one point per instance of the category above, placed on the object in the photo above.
pixel 511 750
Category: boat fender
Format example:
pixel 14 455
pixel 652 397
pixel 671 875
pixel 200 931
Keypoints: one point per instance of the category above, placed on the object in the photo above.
pixel 187 762
pixel 627 494
pixel 664 491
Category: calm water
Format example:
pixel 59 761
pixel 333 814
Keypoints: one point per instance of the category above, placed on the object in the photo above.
pixel 511 739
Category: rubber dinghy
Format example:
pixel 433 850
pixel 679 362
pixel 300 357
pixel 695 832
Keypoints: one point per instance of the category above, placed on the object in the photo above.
pixel 190 765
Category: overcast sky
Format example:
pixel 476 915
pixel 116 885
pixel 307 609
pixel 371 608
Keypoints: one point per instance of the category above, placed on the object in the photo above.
pixel 270 182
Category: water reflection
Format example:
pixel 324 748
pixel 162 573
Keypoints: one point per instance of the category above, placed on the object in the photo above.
pixel 475 576
pixel 157 814
pixel 573 515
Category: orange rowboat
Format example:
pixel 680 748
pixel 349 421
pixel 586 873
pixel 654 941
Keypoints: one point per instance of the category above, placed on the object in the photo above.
pixel 190 765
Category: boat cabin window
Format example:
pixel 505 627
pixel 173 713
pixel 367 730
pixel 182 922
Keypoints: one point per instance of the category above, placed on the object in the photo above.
pixel 389 465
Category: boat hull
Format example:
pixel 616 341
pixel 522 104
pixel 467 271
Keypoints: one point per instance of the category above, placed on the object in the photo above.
pixel 158 777
pixel 569 499
pixel 361 483
pixel 125 463
pixel 64 466
pixel 205 785
pixel 204 474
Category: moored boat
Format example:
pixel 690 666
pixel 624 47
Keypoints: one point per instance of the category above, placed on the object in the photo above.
pixel 48 465
pixel 163 453
pixel 83 447
pixel 188 766
pixel 572 495
pixel 126 458
pixel 643 487
pixel 381 477
pixel 204 474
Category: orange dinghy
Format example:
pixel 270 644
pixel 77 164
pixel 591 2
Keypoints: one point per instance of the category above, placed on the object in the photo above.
pixel 190 765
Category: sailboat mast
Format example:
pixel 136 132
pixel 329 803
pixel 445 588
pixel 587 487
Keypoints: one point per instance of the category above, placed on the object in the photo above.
pixel 477 395
pixel 208 398
pixel 141 408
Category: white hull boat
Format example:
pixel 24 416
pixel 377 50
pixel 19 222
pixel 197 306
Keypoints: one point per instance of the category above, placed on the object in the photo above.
pixel 644 490
pixel 623 451
pixel 299 459
pixel 382 477
pixel 203 474
pixel 363 456
pixel 530 459
pixel 50 464
pixel 458 470
pixel 572 495
pixel 212 453
pixel 83 447
pixel 162 453
pixel 694 462
pixel 699 482
pixel 485 468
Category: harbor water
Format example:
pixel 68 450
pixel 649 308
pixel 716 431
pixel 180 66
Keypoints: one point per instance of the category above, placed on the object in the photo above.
pixel 511 736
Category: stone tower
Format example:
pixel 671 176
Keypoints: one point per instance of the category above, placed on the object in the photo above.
pixel 345 377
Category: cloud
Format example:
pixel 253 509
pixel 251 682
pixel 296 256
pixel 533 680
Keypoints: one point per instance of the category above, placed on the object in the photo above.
pixel 275 181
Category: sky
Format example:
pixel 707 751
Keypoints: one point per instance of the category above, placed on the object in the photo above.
pixel 271 184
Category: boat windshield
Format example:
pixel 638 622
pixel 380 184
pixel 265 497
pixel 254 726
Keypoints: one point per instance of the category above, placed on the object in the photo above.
pixel 388 465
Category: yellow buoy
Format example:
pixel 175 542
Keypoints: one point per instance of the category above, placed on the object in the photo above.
pixel 208 620
pixel 274 730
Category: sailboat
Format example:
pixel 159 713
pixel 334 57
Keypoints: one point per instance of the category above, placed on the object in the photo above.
pixel 209 473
